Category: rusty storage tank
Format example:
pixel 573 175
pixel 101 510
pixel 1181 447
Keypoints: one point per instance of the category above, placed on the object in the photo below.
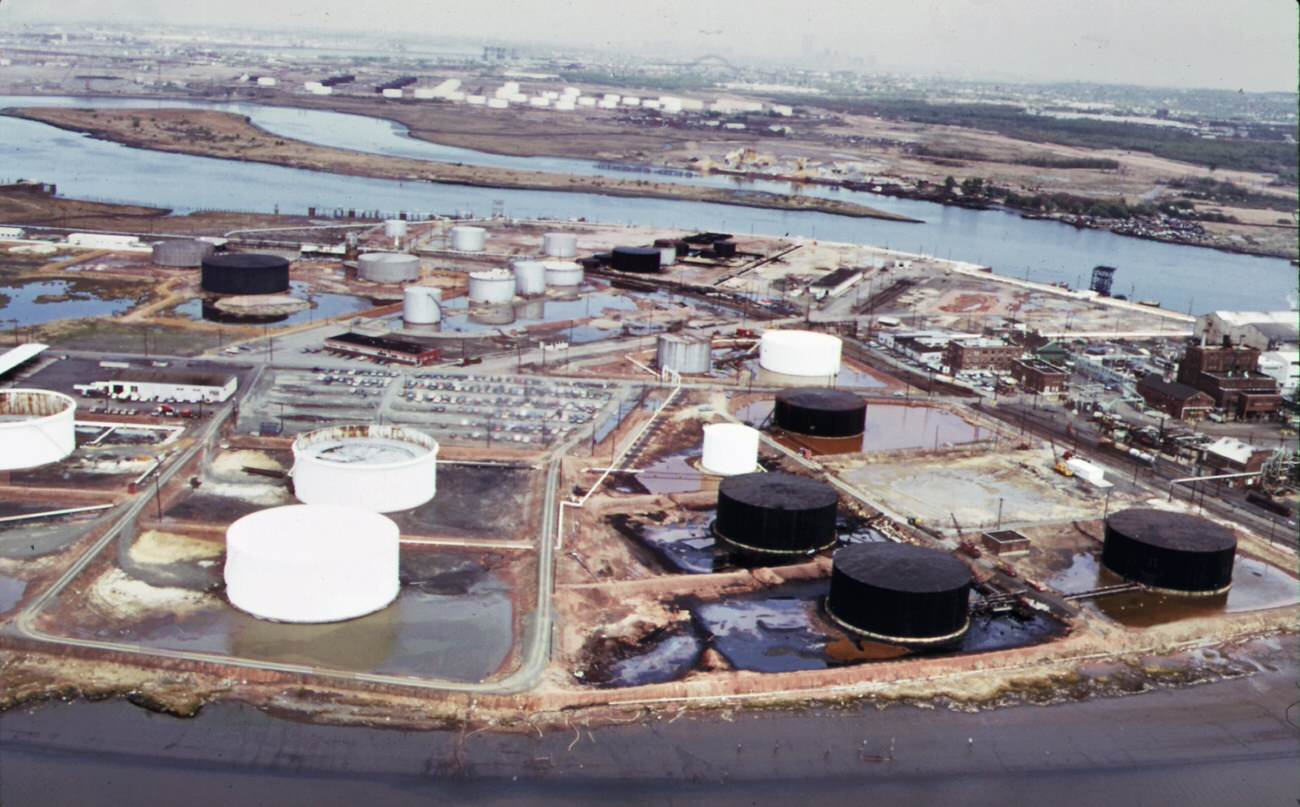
pixel 820 412
pixel 684 354
pixel 776 515
pixel 181 253
pixel 1176 553
pixel 900 593
pixel 245 273
pixel 643 260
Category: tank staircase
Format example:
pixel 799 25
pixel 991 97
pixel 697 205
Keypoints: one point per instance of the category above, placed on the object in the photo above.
pixel 1000 603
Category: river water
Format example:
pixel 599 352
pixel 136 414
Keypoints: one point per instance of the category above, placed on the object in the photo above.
pixel 1182 278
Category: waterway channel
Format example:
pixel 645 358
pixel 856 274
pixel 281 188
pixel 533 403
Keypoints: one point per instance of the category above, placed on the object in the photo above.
pixel 1180 277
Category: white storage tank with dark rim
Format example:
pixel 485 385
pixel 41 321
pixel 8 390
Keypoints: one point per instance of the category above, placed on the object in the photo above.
pixel 563 273
pixel 37 427
pixel 395 228
pixel 420 305
pixel 491 286
pixel 559 245
pixel 684 354
pixel 312 563
pixel 530 277
pixel 382 469
pixel 181 253
pixel 801 353
pixel 465 238
pixel 388 267
pixel 729 449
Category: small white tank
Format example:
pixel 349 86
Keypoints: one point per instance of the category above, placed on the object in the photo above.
pixel 800 353
pixel 491 286
pixel 667 256
pixel 563 273
pixel 729 449
pixel 420 305
pixel 395 228
pixel 685 354
pixel 559 245
pixel 530 277
pixel 465 238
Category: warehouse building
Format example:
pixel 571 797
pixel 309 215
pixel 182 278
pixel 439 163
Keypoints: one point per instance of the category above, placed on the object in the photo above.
pixel 384 348
pixel 1174 399
pixel 980 354
pixel 161 385
pixel 1039 377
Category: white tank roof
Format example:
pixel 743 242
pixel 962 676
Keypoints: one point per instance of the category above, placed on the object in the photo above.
pixel 37 427
pixel 312 563
pixel 800 353
pixel 729 449
pixel 371 467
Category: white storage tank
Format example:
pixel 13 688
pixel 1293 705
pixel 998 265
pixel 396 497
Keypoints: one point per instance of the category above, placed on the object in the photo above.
pixel 388 267
pixel 563 273
pixel 559 245
pixel 36 427
pixel 465 238
pixel 312 563
pixel 370 467
pixel 667 256
pixel 420 305
pixel 530 277
pixel 684 354
pixel 394 228
pixel 491 286
pixel 801 353
pixel 729 449
pixel 392 92
pixel 183 253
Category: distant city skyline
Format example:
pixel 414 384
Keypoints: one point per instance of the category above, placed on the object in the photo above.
pixel 1249 45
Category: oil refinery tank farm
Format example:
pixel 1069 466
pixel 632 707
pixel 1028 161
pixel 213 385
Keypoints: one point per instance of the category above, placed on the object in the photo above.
pixel 776 514
pixel 388 267
pixel 37 427
pixel 820 412
pixel 382 469
pixel 245 273
pixel 1175 553
pixel 800 353
pixel 900 593
pixel 643 260
pixel 181 253
pixel 312 563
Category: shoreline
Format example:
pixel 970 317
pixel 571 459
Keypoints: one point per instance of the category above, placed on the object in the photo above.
pixel 334 161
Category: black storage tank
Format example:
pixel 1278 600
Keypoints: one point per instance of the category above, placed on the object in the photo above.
pixel 724 249
pixel 820 412
pixel 1174 552
pixel 775 514
pixel 900 593
pixel 636 259
pixel 245 273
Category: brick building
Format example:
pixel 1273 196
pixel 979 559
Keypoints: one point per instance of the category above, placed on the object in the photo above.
pixel 1230 375
pixel 1037 376
pixel 1174 399
pixel 971 355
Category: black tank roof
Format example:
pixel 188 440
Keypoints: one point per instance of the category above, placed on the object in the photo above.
pixel 1182 532
pixel 778 491
pixel 828 400
pixel 245 260
pixel 902 567
pixel 643 251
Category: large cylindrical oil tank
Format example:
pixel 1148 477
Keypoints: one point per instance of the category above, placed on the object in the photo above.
pixel 900 593
pixel 312 563
pixel 819 412
pixel 183 253
pixel 395 228
pixel 245 273
pixel 491 286
pixel 729 449
pixel 420 305
pixel 563 273
pixel 684 354
pixel 1176 553
pixel 465 238
pixel 805 353
pixel 378 468
pixel 776 514
pixel 530 277
pixel 635 259
pixel 724 249
pixel 559 245
pixel 36 427
pixel 388 267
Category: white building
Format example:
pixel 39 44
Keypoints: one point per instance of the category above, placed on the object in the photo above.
pixel 1284 367
pixel 159 385
pixel 1262 330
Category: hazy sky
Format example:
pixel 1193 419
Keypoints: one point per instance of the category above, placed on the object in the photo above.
pixel 1228 44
